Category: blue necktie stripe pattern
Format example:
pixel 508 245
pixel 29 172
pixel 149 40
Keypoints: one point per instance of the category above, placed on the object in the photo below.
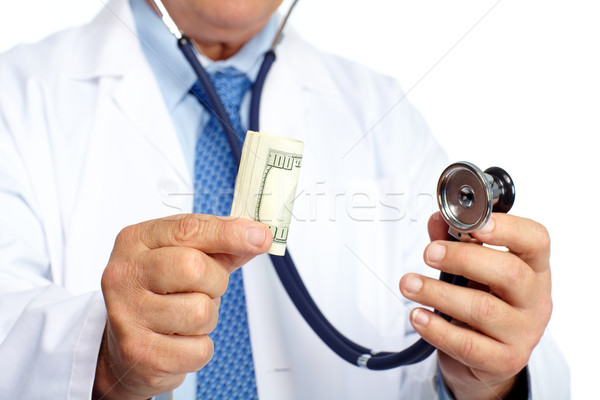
pixel 230 374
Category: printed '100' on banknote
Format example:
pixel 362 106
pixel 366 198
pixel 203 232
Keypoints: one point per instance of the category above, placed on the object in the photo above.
pixel 266 183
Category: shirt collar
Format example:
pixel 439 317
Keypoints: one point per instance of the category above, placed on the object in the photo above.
pixel 172 72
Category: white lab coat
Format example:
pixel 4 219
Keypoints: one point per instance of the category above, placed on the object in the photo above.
pixel 87 147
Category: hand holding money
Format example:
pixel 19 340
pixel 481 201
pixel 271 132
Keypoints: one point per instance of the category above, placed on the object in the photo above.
pixel 265 188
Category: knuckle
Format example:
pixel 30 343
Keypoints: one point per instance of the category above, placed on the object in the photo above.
pixel 512 363
pixel 219 285
pixel 205 230
pixel 203 310
pixel 218 229
pixel 196 268
pixel 200 315
pixel 441 339
pixel 484 307
pixel 119 317
pixel 541 236
pixel 151 362
pixel 116 276
pixel 547 305
pixel 465 347
pixel 156 379
pixel 110 277
pixel 121 276
pixel 187 228
pixel 441 293
pixel 132 351
pixel 513 271
pixel 127 236
pixel 206 350
pixel 535 331
pixel 191 265
pixel 463 254
pixel 175 320
pixel 461 251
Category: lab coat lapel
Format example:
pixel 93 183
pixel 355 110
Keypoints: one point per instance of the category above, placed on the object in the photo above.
pixel 135 93
pixel 291 85
pixel 139 98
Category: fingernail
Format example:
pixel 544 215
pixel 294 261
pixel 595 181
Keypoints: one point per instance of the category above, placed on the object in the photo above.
pixel 256 236
pixel 413 284
pixel 419 317
pixel 435 252
pixel 491 224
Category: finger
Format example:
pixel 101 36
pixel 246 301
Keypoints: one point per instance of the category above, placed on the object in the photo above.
pixel 523 237
pixel 506 274
pixel 181 313
pixel 469 347
pixel 480 310
pixel 207 233
pixel 161 356
pixel 183 269
pixel 437 227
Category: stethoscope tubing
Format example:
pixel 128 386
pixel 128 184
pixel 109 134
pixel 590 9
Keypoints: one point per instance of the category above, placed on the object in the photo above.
pixel 284 265
pixel 215 105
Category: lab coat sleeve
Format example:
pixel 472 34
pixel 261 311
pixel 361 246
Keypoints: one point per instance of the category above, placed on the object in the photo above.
pixel 49 338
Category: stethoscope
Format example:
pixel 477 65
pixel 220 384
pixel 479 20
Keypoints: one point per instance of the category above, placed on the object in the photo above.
pixel 484 189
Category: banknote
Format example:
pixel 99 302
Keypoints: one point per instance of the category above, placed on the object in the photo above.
pixel 265 187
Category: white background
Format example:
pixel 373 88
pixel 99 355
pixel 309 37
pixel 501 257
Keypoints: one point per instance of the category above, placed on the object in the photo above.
pixel 513 83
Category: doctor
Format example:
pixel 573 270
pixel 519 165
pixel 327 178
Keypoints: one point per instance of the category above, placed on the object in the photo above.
pixel 97 135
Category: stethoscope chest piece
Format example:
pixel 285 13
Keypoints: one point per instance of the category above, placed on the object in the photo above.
pixel 467 196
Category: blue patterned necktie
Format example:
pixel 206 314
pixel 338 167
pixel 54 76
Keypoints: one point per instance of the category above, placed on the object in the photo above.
pixel 230 374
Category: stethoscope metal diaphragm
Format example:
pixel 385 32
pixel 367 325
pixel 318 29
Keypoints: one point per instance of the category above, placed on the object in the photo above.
pixel 467 196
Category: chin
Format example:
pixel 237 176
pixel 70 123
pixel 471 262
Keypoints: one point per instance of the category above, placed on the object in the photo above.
pixel 235 14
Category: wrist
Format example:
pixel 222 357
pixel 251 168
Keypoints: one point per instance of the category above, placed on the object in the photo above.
pixel 515 388
pixel 104 381
pixel 107 385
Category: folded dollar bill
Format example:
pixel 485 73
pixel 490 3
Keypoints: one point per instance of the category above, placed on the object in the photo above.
pixel 265 188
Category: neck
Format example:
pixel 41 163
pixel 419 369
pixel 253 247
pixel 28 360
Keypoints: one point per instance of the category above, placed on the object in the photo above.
pixel 219 50
pixel 216 41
